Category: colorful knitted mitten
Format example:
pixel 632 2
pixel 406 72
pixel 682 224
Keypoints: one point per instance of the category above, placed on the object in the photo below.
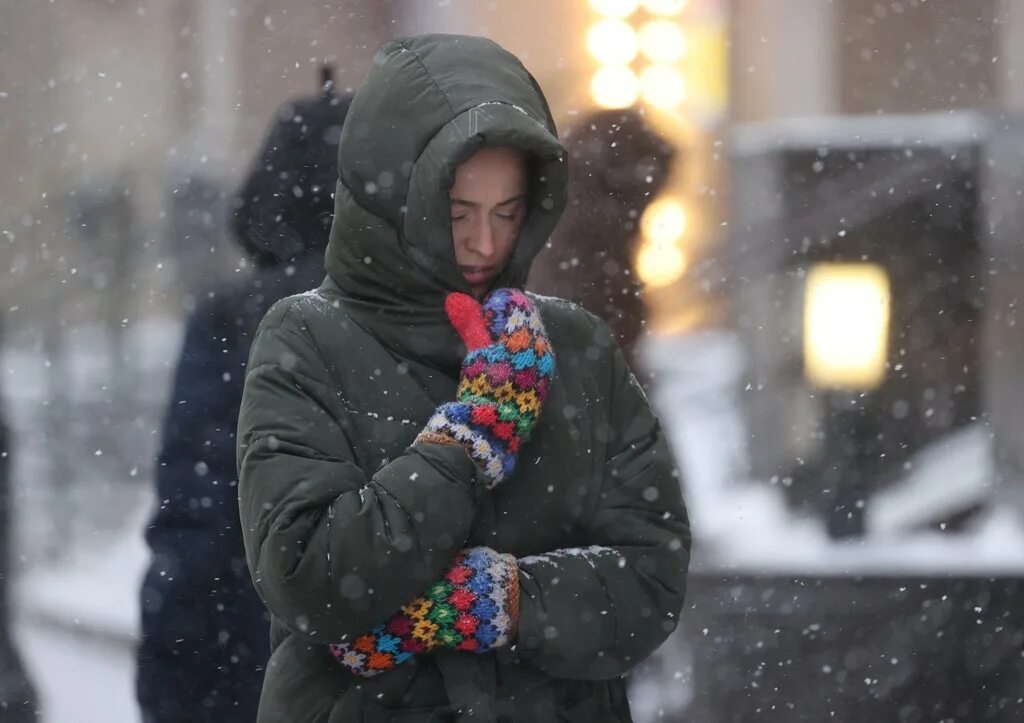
pixel 503 383
pixel 474 607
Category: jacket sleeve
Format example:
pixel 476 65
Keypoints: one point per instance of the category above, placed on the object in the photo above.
pixel 197 586
pixel 595 612
pixel 331 545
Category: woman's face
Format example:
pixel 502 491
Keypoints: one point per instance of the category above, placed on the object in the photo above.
pixel 488 209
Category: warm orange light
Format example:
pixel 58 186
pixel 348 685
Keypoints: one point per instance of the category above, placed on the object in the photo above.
pixel 706 67
pixel 615 86
pixel 662 41
pixel 660 265
pixel 664 7
pixel 615 8
pixel 663 86
pixel 846 325
pixel 664 222
pixel 612 42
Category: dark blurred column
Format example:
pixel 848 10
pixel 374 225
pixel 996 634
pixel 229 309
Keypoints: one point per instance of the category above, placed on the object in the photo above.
pixel 852 456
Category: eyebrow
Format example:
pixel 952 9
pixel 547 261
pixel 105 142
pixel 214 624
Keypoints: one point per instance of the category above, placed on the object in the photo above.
pixel 474 204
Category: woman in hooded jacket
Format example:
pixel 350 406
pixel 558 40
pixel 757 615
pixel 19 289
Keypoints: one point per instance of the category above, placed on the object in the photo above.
pixel 456 501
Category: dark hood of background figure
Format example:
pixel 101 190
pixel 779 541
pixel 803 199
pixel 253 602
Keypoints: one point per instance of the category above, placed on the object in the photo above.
pixel 284 208
pixel 618 165
pixel 618 153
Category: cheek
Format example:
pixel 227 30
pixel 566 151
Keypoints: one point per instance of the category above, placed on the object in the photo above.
pixel 507 241
pixel 510 236
pixel 459 244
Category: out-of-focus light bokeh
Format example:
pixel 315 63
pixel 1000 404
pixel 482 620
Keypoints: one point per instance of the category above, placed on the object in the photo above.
pixel 660 259
pixel 846 325
pixel 613 42
pixel 660 264
pixel 614 8
pixel 615 86
pixel 662 86
pixel 662 41
pixel 664 221
pixel 664 7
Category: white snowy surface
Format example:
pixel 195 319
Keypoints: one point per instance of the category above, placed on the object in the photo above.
pixel 97 589
pixel 756 535
pixel 694 391
pixel 743 525
pixel 948 476
pixel 860 131
pixel 77 679
pixel 77 627
pixel 78 541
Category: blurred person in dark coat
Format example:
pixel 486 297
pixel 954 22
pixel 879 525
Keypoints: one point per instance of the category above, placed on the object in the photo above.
pixel 618 164
pixel 204 630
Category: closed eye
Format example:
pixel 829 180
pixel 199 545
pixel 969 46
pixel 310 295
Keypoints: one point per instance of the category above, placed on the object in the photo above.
pixel 510 210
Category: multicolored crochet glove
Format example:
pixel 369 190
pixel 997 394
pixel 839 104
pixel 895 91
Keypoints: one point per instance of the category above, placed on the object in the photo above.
pixel 503 382
pixel 474 607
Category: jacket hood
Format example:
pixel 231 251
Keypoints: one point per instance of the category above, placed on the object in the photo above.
pixel 283 209
pixel 427 104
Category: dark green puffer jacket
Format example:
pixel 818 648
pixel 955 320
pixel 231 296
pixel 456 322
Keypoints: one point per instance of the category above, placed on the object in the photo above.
pixel 344 522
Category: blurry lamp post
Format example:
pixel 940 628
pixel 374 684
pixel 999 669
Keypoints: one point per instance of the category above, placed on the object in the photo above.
pixel 668 55
pixel 660 261
pixel 846 332
pixel 885 388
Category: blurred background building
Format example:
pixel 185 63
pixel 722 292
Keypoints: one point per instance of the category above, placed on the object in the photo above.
pixel 831 269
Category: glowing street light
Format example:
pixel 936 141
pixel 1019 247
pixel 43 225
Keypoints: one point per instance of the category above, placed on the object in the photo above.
pixel 660 261
pixel 846 325
pixel 664 222
pixel 612 42
pixel 655 56
pixel 615 86
pixel 660 265
pixel 662 86
pixel 615 8
pixel 662 41
pixel 664 7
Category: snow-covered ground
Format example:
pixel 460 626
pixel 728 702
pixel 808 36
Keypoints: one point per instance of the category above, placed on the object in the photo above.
pixel 77 626
pixel 79 551
pixel 77 678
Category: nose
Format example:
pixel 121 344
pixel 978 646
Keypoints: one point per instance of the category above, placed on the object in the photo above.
pixel 482 240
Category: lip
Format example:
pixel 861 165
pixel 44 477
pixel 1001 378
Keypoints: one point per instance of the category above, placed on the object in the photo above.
pixel 477 274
